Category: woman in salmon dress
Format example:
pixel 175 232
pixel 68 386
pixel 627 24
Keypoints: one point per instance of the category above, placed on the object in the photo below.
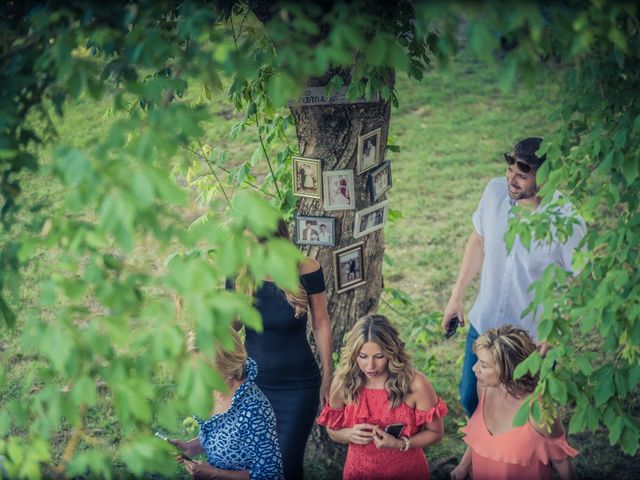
pixel 374 387
pixel 497 450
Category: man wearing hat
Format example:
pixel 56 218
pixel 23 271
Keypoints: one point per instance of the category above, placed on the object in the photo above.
pixel 505 276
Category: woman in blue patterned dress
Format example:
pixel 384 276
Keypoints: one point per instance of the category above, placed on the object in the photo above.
pixel 240 439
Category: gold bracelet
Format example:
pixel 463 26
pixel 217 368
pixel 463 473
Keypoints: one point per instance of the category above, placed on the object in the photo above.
pixel 406 445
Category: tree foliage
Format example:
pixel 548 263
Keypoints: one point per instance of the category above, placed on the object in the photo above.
pixel 107 333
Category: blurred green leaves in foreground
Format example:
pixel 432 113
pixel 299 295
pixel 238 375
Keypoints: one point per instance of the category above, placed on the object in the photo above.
pixel 108 335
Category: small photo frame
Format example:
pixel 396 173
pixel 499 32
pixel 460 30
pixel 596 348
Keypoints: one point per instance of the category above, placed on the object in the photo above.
pixel 339 190
pixel 306 177
pixel 380 181
pixel 370 219
pixel 315 230
pixel 369 153
pixel 348 267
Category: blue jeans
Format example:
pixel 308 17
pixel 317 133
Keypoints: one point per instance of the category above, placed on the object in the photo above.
pixel 468 389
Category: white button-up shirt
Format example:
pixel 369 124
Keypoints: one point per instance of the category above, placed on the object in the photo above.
pixel 506 276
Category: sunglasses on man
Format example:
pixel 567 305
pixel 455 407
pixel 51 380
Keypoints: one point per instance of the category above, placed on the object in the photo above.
pixel 523 167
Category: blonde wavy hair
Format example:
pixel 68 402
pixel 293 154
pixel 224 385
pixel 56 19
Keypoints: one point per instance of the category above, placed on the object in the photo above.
pixel 349 379
pixel 231 363
pixel 509 346
pixel 299 301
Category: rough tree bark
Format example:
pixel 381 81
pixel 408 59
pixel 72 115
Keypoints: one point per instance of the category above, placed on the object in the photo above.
pixel 330 134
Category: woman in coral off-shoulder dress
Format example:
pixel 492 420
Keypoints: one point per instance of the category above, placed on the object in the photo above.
pixel 496 449
pixel 374 388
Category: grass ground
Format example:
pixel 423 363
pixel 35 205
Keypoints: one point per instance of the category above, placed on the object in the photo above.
pixel 452 129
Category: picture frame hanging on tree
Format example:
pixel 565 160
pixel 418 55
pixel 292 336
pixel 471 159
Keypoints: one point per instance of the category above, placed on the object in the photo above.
pixel 369 152
pixel 313 230
pixel 348 267
pixel 380 181
pixel 370 219
pixel 339 190
pixel 307 178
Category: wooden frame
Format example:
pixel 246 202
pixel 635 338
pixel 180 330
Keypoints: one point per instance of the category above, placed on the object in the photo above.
pixel 339 190
pixel 370 219
pixel 368 159
pixel 380 181
pixel 307 179
pixel 348 267
pixel 303 236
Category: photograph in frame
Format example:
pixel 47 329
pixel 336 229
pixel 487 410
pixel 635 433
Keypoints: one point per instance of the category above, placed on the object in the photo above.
pixel 339 190
pixel 370 219
pixel 348 267
pixel 380 181
pixel 369 154
pixel 307 179
pixel 314 230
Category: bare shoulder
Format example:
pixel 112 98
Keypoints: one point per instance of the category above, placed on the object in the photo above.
pixel 424 393
pixel 309 265
pixel 336 399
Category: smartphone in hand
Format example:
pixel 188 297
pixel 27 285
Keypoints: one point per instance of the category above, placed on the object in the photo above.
pixel 453 326
pixel 161 436
pixel 164 437
pixel 394 429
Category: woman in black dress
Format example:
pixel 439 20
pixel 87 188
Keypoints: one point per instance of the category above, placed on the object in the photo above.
pixel 287 370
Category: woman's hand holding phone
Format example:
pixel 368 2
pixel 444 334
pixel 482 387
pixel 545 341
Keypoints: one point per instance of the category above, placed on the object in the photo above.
pixel 383 439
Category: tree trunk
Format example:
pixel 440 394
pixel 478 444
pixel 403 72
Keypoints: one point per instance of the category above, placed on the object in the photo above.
pixel 330 133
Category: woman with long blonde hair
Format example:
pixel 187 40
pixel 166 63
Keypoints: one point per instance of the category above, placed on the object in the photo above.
pixel 288 373
pixel 381 406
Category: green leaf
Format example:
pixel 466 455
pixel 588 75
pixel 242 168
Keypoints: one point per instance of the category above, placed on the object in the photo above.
pixel 557 389
pixel 57 345
pixel 281 263
pixel 583 364
pixel 255 213
pixel 578 421
pixel 482 40
pixel 618 38
pixel 615 430
pixel 84 392
pixel 530 364
pixel 634 375
pixel 604 390
pixel 630 168
pixel 522 416
pixel 7 314
pixel 592 418
pixel 544 328
pixel 377 49
pixel 282 88
pixel 620 380
pixel 5 423
pixel 630 441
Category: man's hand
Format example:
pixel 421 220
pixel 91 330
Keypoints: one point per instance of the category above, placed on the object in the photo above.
pixel 454 309
pixel 543 347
